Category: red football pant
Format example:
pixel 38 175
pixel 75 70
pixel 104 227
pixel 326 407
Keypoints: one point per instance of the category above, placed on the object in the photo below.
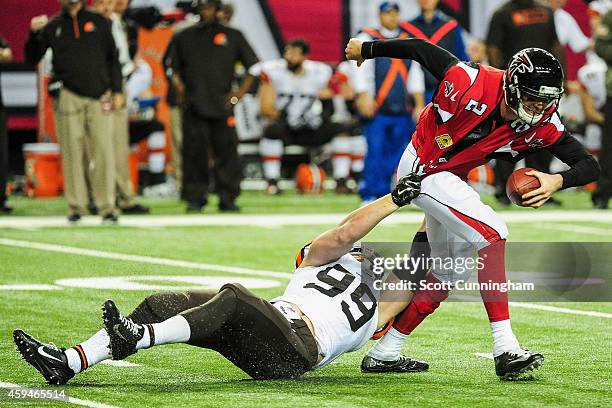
pixel 424 303
pixel 494 271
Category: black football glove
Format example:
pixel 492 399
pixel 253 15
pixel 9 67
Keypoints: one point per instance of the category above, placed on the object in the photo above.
pixel 406 190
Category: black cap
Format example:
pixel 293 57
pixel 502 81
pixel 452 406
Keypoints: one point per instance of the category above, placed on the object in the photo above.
pixel 216 3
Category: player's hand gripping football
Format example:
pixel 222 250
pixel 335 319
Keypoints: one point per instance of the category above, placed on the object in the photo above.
pixel 353 51
pixel 549 183
pixel 406 190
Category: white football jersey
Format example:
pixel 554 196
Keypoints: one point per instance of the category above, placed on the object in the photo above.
pixel 593 77
pixel 342 307
pixel 297 95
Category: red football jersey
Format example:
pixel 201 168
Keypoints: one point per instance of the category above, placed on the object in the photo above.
pixel 450 136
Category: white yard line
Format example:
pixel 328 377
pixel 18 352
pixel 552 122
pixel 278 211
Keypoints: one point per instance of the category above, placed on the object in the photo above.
pixel 484 355
pixel 235 270
pixel 29 287
pixel 71 400
pixel 275 220
pixel 141 259
pixel 561 310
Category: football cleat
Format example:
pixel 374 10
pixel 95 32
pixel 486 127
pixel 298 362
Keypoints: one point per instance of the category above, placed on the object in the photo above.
pixel 50 361
pixel 514 366
pixel 123 332
pixel 402 365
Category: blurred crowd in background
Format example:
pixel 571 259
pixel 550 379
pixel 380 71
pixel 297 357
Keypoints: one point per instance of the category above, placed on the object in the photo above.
pixel 235 120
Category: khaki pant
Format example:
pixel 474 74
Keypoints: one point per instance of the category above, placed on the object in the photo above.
pixel 121 143
pixel 176 131
pixel 82 127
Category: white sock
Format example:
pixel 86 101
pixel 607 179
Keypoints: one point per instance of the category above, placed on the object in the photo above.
pixel 157 162
pixel 341 161
pixel 504 339
pixel 271 151
pixel 90 352
pixel 359 148
pixel 174 330
pixel 389 347
pixel 156 142
pixel 145 342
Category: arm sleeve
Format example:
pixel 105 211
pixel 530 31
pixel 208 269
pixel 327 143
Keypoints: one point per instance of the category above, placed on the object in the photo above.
pixel 169 56
pixel 112 59
pixel 431 57
pixel 247 55
pixel 176 61
pixel 36 46
pixel 583 167
pixel 256 69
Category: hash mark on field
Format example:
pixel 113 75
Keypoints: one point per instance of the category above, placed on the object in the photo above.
pixel 142 259
pixel 484 355
pixel 71 400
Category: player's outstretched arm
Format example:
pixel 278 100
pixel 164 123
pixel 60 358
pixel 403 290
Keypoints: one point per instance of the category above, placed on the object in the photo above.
pixel 336 242
pixel 433 58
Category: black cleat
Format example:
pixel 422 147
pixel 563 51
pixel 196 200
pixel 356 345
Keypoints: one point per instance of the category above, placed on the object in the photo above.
pixel 228 206
pixel 123 332
pixel 514 366
pixel 50 361
pixel 600 203
pixel 74 219
pixel 136 209
pixel 110 219
pixel 194 208
pixel 402 365
pixel 5 208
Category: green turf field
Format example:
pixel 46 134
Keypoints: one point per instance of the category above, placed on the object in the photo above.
pixel 578 348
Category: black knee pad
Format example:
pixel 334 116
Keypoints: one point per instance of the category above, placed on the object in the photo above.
pixel 160 306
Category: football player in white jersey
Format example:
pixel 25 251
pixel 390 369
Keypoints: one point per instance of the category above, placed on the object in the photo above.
pixel 327 309
pixel 297 103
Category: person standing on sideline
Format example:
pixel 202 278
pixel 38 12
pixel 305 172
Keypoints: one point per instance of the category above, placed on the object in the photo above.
pixel 86 65
pixel 126 198
pixel 6 56
pixel 176 110
pixel 384 89
pixel 438 28
pixel 516 25
pixel 202 73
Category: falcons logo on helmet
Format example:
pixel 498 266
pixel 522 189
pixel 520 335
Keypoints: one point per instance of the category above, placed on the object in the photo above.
pixel 520 63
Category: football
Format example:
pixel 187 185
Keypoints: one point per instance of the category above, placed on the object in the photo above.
pixel 520 183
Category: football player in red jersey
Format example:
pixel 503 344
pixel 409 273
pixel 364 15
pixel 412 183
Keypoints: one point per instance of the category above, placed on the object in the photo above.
pixel 478 113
